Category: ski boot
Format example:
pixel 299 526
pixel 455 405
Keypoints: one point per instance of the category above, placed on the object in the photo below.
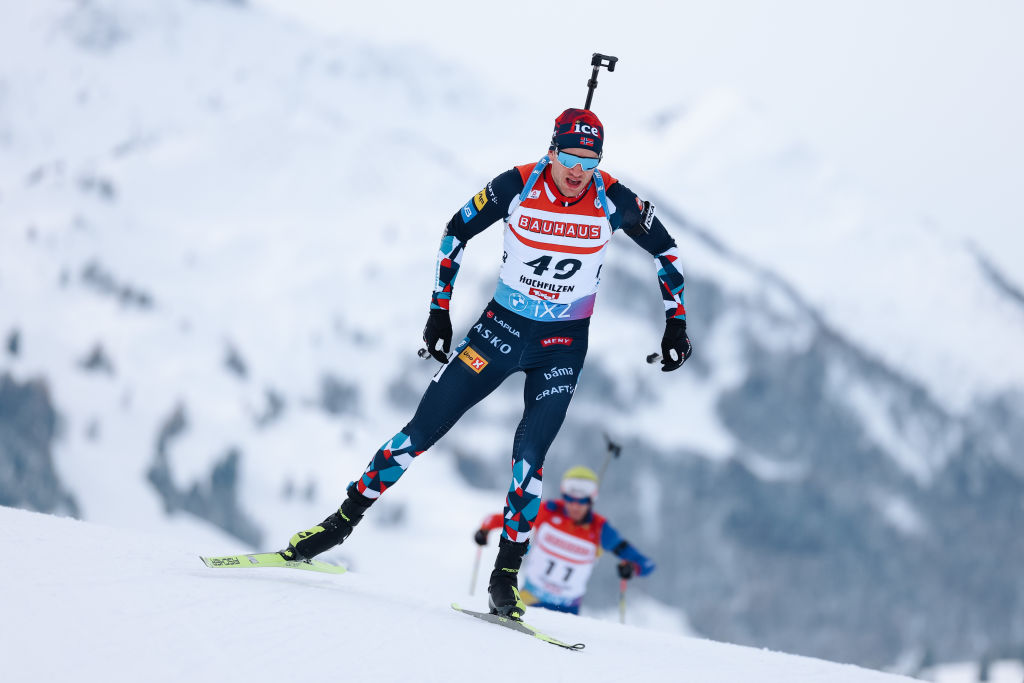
pixel 503 589
pixel 305 545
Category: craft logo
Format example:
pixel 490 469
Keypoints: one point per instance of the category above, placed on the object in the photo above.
pixel 560 389
pixel 473 359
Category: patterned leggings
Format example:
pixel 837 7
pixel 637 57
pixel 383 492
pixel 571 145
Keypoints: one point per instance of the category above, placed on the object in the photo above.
pixel 551 354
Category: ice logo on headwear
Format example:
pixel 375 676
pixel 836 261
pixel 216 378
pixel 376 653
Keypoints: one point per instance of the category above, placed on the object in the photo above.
pixel 517 301
pixel 587 129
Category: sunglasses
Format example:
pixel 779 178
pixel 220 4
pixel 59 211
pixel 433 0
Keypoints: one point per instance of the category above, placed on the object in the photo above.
pixel 571 160
pixel 579 501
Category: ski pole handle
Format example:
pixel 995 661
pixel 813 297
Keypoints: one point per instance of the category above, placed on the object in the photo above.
pixel 652 358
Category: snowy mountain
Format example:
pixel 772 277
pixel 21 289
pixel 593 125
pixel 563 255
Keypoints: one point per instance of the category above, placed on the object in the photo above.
pixel 125 606
pixel 217 240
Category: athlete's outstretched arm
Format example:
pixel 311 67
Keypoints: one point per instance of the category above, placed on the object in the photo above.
pixel 610 540
pixel 637 219
pixel 486 207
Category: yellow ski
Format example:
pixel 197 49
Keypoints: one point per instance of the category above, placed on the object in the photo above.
pixel 521 626
pixel 269 560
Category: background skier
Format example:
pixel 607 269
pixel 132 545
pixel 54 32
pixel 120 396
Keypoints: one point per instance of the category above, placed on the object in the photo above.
pixel 568 538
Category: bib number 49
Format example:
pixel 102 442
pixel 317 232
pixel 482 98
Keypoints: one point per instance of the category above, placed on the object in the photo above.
pixel 564 269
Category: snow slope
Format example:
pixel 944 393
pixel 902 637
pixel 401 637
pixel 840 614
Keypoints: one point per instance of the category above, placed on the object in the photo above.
pixel 91 603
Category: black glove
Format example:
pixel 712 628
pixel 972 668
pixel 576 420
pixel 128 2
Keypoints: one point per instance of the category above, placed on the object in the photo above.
pixel 438 328
pixel 626 569
pixel 675 346
pixel 480 537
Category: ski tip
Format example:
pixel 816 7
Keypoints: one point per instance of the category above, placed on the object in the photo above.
pixel 328 568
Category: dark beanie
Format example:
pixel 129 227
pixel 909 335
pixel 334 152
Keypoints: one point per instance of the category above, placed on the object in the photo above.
pixel 578 128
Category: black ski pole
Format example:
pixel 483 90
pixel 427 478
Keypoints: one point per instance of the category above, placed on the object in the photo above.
pixel 476 568
pixel 597 61
pixel 614 451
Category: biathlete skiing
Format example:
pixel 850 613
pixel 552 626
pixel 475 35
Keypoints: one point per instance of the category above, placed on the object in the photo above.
pixel 559 214
pixel 568 538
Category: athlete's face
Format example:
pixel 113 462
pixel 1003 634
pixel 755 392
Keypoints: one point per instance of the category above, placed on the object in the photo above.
pixel 571 181
pixel 577 511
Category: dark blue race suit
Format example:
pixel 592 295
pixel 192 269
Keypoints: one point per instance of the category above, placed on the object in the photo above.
pixel 537 323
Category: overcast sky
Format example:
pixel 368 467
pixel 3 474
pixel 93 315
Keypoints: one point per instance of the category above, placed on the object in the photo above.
pixel 921 102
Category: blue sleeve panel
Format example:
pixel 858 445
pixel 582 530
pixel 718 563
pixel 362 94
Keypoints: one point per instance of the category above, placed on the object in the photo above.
pixel 610 540
pixel 485 208
pixel 657 242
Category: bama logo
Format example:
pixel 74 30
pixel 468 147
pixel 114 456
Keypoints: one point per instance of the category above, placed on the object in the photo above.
pixel 473 359
pixel 551 341
pixel 558 372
